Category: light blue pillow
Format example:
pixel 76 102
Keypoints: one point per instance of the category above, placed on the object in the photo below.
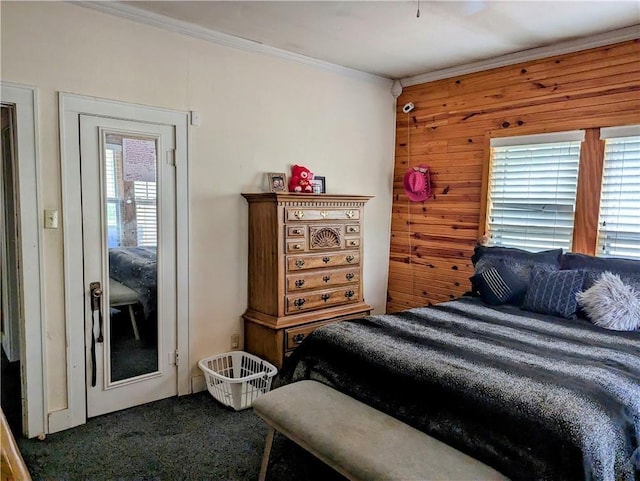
pixel 553 293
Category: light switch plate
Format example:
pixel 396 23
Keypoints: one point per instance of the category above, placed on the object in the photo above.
pixel 50 219
pixel 195 118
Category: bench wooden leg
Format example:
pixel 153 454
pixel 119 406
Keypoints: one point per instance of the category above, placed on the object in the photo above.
pixel 134 324
pixel 267 451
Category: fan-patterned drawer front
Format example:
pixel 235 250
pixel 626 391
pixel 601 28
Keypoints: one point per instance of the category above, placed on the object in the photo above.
pixel 294 336
pixel 346 258
pixel 327 278
pixel 325 237
pixel 321 299
pixel 294 214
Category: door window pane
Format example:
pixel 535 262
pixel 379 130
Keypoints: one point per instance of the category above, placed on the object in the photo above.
pixel 130 173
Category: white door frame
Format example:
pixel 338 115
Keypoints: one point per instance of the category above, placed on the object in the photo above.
pixel 70 107
pixel 32 348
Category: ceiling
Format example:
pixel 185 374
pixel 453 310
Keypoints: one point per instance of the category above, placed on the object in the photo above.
pixel 388 39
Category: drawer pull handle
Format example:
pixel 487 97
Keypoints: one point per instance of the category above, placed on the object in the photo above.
pixel 353 229
pixel 325 297
pixel 299 283
pixel 299 303
pixel 350 259
pixel 350 276
pixel 297 231
pixel 299 214
pixel 350 214
pixel 298 338
pixel 297 247
pixel 324 214
pixel 326 278
pixel 349 294
pixel 299 263
pixel 353 243
pixel 326 259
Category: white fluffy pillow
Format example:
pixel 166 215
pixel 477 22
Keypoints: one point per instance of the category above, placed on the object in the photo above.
pixel 611 304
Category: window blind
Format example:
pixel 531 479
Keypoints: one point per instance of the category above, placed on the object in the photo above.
pixel 146 213
pixel 619 225
pixel 532 191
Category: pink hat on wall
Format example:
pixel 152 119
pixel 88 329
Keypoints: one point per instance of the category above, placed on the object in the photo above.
pixel 417 183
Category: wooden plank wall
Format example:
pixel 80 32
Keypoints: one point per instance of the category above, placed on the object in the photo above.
pixel 449 130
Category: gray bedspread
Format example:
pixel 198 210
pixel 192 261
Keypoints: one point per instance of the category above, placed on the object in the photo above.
pixel 534 396
pixel 136 268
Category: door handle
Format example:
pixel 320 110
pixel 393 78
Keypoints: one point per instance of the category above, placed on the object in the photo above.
pixel 95 291
pixel 96 297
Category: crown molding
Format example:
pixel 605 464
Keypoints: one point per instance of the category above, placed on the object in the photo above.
pixel 167 23
pixel 584 43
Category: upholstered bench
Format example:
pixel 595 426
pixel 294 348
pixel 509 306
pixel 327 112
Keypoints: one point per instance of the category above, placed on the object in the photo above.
pixel 358 441
pixel 121 295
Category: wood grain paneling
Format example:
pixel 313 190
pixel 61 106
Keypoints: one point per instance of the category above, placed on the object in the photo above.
pixel 449 130
pixel 585 234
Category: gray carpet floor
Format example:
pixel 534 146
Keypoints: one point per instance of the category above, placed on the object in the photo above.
pixel 187 438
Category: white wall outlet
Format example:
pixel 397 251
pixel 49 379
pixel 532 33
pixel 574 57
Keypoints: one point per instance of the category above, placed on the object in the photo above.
pixel 235 341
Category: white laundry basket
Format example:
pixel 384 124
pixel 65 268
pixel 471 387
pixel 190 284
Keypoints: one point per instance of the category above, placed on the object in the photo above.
pixel 237 378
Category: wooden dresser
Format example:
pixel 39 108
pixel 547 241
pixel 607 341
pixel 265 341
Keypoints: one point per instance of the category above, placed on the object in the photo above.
pixel 305 268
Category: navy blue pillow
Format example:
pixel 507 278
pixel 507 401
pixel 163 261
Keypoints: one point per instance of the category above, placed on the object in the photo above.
pixel 521 262
pixel 499 285
pixel 627 269
pixel 554 293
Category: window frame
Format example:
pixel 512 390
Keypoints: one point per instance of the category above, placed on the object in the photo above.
pixel 530 139
pixel 614 133
pixel 590 172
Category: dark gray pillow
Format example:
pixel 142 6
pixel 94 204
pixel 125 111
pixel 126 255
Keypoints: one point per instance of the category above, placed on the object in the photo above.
pixel 499 285
pixel 553 293
pixel 594 267
pixel 519 261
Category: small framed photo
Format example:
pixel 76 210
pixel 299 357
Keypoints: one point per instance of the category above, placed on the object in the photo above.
pixel 319 184
pixel 277 181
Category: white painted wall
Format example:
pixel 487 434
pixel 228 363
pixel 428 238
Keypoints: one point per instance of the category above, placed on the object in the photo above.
pixel 259 114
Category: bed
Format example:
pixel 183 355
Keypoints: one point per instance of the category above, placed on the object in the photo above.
pixel 136 268
pixel 535 396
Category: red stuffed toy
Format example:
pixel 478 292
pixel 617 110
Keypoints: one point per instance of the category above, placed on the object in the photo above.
pixel 301 178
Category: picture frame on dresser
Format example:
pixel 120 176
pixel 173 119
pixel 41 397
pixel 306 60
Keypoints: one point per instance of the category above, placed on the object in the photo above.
pixel 319 184
pixel 277 182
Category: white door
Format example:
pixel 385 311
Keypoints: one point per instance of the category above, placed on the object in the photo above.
pixel 129 249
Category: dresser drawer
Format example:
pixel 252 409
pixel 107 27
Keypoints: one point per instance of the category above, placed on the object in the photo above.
pixel 333 259
pixel 352 243
pixel 332 213
pixel 352 229
pixel 321 299
pixel 294 336
pixel 323 236
pixel 297 231
pixel 327 278
pixel 299 245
